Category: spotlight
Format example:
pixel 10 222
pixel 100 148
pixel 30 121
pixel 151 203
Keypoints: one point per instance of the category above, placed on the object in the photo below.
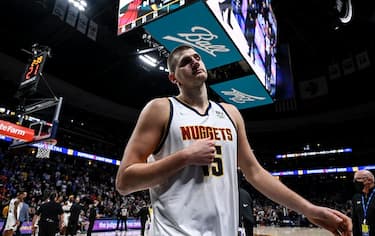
pixel 148 60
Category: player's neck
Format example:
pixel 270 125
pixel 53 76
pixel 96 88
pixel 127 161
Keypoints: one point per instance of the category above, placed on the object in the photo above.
pixel 198 101
pixel 196 97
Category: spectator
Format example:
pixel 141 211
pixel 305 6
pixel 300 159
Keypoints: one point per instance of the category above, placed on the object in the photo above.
pixel 93 214
pixel 363 215
pixel 23 213
pixel 49 217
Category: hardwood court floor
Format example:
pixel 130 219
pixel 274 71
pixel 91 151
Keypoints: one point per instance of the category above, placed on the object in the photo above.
pixel 289 231
pixel 259 231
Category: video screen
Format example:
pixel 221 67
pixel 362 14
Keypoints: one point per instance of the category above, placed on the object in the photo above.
pixel 134 13
pixel 252 26
pixel 258 25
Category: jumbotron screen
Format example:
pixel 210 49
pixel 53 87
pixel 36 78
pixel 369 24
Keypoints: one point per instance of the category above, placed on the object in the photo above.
pixel 253 28
pixel 135 13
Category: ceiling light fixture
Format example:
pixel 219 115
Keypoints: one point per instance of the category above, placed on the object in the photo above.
pixel 148 60
pixel 345 10
pixel 79 4
pixel 153 60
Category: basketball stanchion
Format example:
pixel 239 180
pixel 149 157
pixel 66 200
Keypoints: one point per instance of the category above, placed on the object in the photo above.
pixel 44 148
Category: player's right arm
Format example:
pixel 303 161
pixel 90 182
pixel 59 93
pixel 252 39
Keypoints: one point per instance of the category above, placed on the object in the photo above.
pixel 134 173
pixel 16 216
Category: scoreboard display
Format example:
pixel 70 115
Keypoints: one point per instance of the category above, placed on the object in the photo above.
pixel 34 68
pixel 135 13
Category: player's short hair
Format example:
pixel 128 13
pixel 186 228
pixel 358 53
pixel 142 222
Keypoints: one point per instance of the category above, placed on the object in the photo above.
pixel 171 61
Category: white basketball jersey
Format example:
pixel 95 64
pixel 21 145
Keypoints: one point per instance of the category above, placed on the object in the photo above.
pixel 11 219
pixel 198 200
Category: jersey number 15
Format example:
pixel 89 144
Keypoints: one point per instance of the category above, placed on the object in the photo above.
pixel 216 168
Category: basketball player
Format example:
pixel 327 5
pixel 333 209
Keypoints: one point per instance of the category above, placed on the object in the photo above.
pixel 12 221
pixel 186 149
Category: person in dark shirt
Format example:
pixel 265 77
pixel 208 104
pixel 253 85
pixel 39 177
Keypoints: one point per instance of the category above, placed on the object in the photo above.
pixel 75 210
pixel 50 215
pixel 122 217
pixel 92 216
pixel 363 204
pixel 246 211
pixel 245 206
pixel 143 214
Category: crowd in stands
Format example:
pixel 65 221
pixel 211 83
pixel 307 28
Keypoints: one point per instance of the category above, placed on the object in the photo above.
pixel 267 213
pixel 88 180
pixel 91 180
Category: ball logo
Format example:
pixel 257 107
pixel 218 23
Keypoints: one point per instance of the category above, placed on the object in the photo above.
pixel 240 97
pixel 199 38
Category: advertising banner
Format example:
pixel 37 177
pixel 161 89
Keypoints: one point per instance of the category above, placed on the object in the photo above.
pixel 204 34
pixel 11 130
pixel 245 92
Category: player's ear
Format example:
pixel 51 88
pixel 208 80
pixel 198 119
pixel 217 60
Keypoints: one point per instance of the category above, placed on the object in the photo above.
pixel 172 78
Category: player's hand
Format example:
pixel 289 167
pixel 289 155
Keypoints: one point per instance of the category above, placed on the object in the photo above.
pixel 201 152
pixel 334 221
pixel 16 224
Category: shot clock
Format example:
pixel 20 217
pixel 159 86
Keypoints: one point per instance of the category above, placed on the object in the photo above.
pixel 33 72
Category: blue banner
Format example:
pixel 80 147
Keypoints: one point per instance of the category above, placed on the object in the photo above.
pixel 103 224
pixel 245 92
pixel 110 224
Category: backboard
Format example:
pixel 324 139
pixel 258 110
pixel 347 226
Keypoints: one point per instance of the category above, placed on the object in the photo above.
pixel 41 118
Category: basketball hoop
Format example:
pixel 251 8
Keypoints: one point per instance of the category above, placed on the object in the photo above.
pixel 44 148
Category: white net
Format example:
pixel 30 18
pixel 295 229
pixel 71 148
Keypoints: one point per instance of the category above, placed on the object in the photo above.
pixel 43 153
pixel 44 148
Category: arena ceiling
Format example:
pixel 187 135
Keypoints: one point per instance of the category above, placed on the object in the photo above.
pixel 108 66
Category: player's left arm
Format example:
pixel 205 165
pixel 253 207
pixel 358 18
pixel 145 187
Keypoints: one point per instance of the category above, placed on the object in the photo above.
pixel 275 190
